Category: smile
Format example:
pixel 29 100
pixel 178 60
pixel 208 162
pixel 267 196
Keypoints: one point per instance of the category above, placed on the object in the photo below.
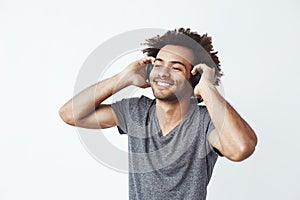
pixel 163 83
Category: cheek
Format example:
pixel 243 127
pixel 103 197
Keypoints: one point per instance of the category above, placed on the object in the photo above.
pixel 180 77
pixel 152 74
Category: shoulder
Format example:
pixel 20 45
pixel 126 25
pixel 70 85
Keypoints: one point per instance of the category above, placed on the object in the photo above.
pixel 137 103
pixel 134 101
pixel 141 101
pixel 137 107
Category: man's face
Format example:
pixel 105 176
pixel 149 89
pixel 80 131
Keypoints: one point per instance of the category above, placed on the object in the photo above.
pixel 170 75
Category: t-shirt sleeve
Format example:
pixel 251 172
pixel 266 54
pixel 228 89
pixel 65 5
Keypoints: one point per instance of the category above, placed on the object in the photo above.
pixel 121 110
pixel 211 126
pixel 131 113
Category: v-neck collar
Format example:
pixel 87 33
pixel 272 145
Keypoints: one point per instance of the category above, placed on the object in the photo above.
pixel 173 131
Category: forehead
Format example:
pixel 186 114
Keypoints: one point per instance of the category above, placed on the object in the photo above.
pixel 171 53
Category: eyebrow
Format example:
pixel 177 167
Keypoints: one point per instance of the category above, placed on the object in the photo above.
pixel 173 62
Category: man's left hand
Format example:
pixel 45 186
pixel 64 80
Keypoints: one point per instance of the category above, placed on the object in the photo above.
pixel 208 78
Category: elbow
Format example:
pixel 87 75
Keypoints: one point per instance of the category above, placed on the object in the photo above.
pixel 242 152
pixel 66 116
pixel 245 148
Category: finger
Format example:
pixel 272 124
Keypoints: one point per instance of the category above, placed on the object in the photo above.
pixel 148 59
pixel 200 67
pixel 197 68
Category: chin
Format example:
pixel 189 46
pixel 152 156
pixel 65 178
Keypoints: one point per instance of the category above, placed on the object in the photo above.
pixel 166 98
pixel 171 97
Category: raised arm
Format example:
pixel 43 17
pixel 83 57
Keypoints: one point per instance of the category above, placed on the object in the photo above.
pixel 86 109
pixel 232 135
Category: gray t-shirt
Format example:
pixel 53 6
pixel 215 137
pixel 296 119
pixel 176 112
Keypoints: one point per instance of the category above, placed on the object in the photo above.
pixel 176 166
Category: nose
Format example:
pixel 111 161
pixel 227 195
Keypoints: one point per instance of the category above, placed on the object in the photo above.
pixel 164 72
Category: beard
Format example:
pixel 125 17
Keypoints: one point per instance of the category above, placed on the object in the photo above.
pixel 165 97
pixel 172 96
pixel 176 91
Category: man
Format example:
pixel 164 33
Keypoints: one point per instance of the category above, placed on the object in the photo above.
pixel 173 142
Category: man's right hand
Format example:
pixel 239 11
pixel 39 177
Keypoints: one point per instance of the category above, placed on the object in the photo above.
pixel 86 108
pixel 135 73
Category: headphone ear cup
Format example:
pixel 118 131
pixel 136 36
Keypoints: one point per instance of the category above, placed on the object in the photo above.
pixel 149 68
pixel 195 79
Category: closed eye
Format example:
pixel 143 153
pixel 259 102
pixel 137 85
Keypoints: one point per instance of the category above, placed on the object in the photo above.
pixel 176 68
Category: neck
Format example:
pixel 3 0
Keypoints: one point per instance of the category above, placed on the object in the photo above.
pixel 169 114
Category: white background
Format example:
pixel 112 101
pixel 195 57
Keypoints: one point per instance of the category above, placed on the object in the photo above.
pixel 43 45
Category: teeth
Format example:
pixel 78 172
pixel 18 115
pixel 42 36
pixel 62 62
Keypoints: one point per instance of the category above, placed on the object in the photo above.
pixel 163 84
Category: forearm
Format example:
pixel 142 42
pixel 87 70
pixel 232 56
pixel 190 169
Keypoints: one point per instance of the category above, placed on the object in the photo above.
pixel 89 99
pixel 234 136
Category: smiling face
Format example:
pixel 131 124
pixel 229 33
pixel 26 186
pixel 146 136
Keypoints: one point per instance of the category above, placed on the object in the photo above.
pixel 170 75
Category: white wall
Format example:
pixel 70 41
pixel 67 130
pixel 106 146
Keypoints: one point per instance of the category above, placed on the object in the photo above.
pixel 43 45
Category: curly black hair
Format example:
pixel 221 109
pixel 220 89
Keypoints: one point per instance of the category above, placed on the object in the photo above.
pixel 192 40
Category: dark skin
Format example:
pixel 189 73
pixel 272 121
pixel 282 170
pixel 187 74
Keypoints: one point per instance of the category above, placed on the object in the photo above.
pixel 232 135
